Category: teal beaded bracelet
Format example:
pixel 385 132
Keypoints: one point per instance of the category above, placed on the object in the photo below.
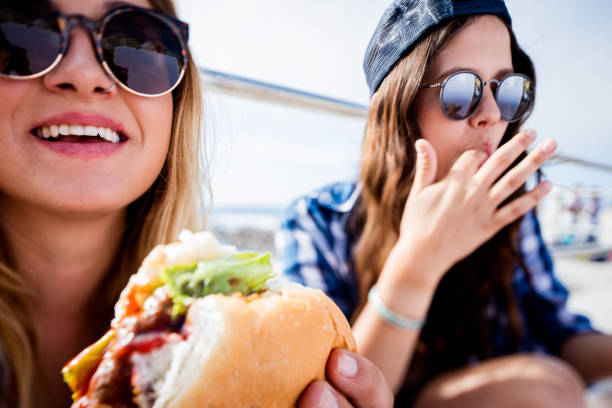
pixel 389 315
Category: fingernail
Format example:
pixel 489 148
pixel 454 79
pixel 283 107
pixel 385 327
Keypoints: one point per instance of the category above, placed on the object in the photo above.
pixel 420 148
pixel 531 134
pixel 347 365
pixel 546 186
pixel 549 146
pixel 328 399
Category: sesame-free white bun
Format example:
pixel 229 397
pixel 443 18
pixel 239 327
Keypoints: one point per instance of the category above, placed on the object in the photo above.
pixel 258 351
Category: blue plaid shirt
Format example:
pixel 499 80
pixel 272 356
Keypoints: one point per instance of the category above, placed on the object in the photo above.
pixel 316 248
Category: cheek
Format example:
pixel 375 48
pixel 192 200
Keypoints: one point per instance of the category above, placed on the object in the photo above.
pixel 154 117
pixel 146 155
pixel 12 101
pixel 445 135
pixel 429 117
pixel 16 102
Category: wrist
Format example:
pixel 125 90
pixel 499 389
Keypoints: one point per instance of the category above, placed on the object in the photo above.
pixel 391 316
pixel 407 287
pixel 410 302
pixel 412 268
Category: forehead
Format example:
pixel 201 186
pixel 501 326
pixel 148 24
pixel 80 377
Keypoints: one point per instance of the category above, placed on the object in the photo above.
pixel 95 8
pixel 483 46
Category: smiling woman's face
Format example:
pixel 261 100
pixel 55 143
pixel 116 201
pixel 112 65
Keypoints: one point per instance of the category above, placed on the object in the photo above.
pixel 482 46
pixel 79 173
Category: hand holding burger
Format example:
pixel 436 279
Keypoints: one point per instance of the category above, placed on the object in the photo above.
pixel 202 325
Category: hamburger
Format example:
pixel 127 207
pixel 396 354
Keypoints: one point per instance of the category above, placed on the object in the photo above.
pixel 203 325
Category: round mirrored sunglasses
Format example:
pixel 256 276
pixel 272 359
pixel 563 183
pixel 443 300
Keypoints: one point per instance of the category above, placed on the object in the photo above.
pixel 462 91
pixel 143 50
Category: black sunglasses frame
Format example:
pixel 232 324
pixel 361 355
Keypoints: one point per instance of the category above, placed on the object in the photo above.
pixel 482 86
pixel 66 22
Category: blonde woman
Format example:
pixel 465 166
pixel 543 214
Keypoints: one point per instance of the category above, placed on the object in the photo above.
pixel 100 121
pixel 435 254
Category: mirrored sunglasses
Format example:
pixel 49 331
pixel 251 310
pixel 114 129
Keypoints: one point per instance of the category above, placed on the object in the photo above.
pixel 462 92
pixel 143 50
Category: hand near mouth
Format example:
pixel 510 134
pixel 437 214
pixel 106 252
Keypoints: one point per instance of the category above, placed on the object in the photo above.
pixel 445 221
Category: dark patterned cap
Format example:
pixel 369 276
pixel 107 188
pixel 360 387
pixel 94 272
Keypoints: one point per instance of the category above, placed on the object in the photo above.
pixel 405 22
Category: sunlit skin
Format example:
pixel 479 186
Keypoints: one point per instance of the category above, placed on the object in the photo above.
pixel 489 56
pixel 63 210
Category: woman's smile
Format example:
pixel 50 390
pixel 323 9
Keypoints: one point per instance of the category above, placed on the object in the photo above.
pixel 81 134
pixel 74 133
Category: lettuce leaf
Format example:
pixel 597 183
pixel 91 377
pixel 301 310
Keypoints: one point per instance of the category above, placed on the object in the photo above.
pixel 245 272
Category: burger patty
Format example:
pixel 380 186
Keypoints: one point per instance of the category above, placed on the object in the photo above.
pixel 121 377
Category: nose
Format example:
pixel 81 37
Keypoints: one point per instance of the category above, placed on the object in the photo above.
pixel 79 72
pixel 487 113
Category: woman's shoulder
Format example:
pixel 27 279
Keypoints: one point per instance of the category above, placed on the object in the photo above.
pixel 330 201
pixel 321 217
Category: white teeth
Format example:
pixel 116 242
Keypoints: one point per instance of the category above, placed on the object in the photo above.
pixel 110 135
pixel 90 131
pixel 76 130
pixel 107 134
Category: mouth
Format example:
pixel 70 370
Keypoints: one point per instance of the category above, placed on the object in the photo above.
pixel 76 133
pixel 487 149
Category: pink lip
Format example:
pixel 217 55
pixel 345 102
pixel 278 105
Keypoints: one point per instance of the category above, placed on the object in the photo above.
pixel 78 118
pixel 487 149
pixel 90 150
pixel 85 150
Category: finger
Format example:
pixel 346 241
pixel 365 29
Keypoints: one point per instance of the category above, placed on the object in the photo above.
pixel 426 165
pixel 520 206
pixel 359 379
pixel 516 177
pixel 467 164
pixel 503 157
pixel 319 394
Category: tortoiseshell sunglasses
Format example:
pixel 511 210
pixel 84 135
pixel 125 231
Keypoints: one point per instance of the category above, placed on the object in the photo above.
pixel 143 50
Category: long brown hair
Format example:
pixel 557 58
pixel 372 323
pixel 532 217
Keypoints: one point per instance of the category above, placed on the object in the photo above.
pixel 456 325
pixel 174 201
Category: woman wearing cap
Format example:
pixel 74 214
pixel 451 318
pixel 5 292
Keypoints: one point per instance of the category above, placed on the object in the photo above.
pixel 436 254
pixel 100 162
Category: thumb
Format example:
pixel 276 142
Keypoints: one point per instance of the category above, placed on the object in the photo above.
pixel 426 165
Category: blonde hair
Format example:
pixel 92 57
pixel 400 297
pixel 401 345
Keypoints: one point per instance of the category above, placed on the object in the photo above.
pixel 176 200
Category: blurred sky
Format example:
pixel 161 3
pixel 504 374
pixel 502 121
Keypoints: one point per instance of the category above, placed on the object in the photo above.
pixel 265 155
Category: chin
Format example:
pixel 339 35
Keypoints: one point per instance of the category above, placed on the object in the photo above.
pixel 92 199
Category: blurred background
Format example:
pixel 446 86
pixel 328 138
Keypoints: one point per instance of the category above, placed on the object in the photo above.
pixel 264 154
